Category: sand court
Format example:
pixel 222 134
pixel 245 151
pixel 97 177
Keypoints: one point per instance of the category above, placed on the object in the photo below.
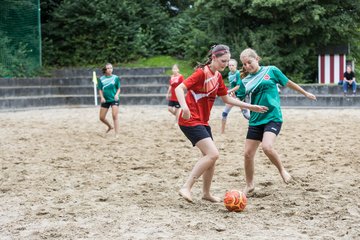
pixel 63 177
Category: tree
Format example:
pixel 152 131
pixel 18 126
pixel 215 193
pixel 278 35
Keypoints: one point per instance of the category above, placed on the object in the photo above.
pixel 47 9
pixel 285 32
pixel 83 32
pixel 174 7
pixel 19 46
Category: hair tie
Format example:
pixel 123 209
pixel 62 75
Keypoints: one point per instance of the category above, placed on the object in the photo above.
pixel 220 51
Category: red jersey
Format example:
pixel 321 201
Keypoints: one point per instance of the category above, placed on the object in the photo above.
pixel 174 82
pixel 203 86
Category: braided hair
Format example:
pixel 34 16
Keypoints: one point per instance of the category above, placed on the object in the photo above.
pixel 218 51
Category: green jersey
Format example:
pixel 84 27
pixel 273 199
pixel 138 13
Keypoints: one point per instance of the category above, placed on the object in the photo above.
pixel 234 79
pixel 109 85
pixel 262 89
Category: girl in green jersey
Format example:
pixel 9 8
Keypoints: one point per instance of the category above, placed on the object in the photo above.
pixel 260 84
pixel 109 90
pixel 234 83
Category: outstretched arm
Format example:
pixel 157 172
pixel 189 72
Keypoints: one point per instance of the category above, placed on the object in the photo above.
pixel 237 102
pixel 299 89
pixel 234 89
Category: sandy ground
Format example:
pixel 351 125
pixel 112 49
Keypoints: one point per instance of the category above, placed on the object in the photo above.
pixel 62 177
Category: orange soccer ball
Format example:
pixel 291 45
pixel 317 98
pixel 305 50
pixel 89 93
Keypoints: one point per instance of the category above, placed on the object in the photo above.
pixel 235 200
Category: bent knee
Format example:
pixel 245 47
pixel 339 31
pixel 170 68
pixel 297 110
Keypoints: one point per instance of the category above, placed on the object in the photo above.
pixel 214 155
pixel 267 148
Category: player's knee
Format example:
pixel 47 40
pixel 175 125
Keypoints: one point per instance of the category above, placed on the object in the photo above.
pixel 248 155
pixel 214 155
pixel 267 148
pixel 224 115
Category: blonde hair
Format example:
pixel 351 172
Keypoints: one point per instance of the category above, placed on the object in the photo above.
pixel 247 53
pixel 175 66
pixel 233 61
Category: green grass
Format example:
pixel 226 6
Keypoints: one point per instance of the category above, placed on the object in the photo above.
pixel 163 61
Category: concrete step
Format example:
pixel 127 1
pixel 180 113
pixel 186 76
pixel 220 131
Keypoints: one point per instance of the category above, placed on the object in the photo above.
pixel 124 80
pixel 77 90
pixel 44 91
pixel 87 72
pixel 77 100
pixel 41 81
pixel 333 101
pixel 144 89
pixel 45 101
pixel 315 89
pixel 326 100
pixel 136 80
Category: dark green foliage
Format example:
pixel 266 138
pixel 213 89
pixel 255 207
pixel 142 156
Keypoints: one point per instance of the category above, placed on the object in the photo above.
pixel 47 9
pixel 175 7
pixel 20 41
pixel 89 32
pixel 285 33
pixel 16 59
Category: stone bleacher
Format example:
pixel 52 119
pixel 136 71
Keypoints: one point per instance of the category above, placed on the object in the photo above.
pixel 74 88
pixel 328 95
pixel 139 86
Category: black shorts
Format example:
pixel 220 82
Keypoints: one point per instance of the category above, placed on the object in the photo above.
pixel 257 132
pixel 174 104
pixel 108 104
pixel 196 133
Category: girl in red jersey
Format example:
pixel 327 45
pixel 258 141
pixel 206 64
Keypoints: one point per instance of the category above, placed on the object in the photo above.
pixel 202 88
pixel 175 80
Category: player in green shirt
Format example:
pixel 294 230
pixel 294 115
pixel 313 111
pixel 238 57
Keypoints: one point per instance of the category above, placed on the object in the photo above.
pixel 234 84
pixel 260 84
pixel 109 90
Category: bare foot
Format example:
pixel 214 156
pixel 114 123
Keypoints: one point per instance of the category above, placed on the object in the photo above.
pixel 186 194
pixel 248 189
pixel 109 129
pixel 211 198
pixel 285 176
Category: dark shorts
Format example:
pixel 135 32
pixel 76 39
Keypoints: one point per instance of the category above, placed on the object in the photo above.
pixel 196 133
pixel 108 104
pixel 257 132
pixel 174 104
